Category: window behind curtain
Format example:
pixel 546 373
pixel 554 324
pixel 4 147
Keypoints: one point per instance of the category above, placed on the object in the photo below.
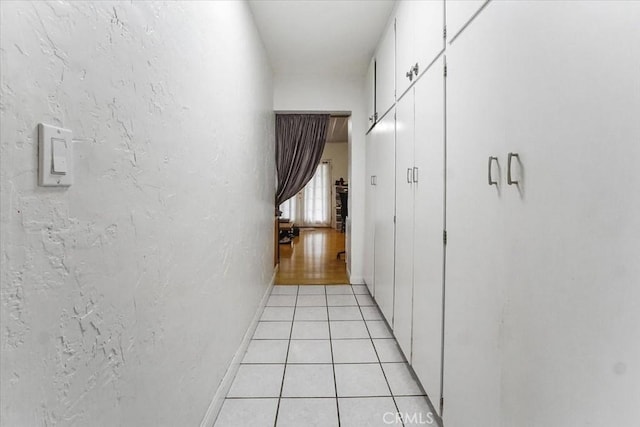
pixel 312 206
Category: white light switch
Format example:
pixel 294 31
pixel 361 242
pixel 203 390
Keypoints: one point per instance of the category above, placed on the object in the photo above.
pixel 56 156
pixel 59 156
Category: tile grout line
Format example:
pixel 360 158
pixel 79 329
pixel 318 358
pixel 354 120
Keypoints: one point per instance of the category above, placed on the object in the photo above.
pixel 284 370
pixel 333 362
pixel 380 363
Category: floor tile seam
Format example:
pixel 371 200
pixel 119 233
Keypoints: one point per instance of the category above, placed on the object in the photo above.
pixel 380 362
pixel 333 366
pixel 284 371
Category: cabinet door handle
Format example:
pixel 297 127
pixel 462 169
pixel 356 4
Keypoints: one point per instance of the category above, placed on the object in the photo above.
pixel 415 174
pixel 410 74
pixel 409 177
pixel 509 180
pixel 491 181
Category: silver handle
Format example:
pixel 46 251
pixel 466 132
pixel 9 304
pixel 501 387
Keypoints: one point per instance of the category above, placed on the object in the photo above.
pixel 491 181
pixel 409 74
pixel 509 180
pixel 371 180
pixel 415 174
pixel 409 177
pixel 374 180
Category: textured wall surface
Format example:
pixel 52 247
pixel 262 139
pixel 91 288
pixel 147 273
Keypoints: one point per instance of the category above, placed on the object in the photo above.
pixel 124 296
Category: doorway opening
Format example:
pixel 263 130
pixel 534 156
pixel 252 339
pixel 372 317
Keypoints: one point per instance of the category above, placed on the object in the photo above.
pixel 312 233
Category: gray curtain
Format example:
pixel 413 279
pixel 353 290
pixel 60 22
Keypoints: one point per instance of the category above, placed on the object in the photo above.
pixel 300 140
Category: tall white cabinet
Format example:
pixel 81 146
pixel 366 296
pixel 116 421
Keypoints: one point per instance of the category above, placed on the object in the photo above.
pixel 526 153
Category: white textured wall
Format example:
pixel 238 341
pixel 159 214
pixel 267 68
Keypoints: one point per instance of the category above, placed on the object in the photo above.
pixel 335 94
pixel 125 295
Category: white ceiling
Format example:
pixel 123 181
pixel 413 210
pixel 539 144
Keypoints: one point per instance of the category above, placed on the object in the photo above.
pixel 323 37
pixel 338 129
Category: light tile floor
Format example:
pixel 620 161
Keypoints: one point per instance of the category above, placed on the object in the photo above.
pixel 323 356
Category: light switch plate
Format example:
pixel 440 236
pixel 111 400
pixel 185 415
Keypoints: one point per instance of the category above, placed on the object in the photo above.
pixel 55 151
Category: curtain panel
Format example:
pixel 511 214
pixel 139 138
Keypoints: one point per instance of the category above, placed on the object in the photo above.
pixel 300 140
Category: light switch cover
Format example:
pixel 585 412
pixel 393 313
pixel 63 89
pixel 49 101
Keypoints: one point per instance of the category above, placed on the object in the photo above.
pixel 55 151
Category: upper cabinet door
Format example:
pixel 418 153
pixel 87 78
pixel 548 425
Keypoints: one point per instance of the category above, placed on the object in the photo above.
pixel 370 93
pixel 428 32
pixel 419 39
pixel 385 72
pixel 404 46
pixel 459 13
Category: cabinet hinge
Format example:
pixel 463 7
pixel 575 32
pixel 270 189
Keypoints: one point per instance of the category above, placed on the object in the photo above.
pixel 444 237
pixel 394 219
pixel 441 404
pixel 395 22
pixel 444 32
pixel 445 70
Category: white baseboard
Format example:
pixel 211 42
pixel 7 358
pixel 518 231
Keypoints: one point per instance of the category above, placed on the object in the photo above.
pixel 218 399
pixel 356 280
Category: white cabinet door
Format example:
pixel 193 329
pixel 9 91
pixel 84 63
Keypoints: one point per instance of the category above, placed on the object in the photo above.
pixel 385 72
pixel 370 93
pixel 428 32
pixel 459 13
pixel 404 223
pixel 428 254
pixel 384 138
pixel 475 258
pixel 369 236
pixel 569 95
pixel 404 46
pixel 419 39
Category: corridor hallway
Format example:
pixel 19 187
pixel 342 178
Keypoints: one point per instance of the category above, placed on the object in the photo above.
pixel 323 356
pixel 312 259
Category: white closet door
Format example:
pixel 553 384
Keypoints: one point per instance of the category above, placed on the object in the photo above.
pixel 385 210
pixel 428 254
pixel 428 31
pixel 405 58
pixel 404 223
pixel 369 235
pixel 475 259
pixel 385 72
pixel 570 104
pixel 459 13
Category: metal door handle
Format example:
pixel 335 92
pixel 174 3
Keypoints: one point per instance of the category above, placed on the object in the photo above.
pixel 409 177
pixel 491 181
pixel 415 174
pixel 410 74
pixel 509 180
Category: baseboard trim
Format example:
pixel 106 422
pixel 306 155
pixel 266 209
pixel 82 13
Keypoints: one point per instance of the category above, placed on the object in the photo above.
pixel 218 398
pixel 356 280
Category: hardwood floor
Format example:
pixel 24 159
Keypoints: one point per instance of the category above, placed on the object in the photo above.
pixel 312 259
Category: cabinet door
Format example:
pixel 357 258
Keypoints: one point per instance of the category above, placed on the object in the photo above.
pixel 475 259
pixel 459 13
pixel 428 255
pixel 404 224
pixel 572 323
pixel 370 93
pixel 404 45
pixel 369 232
pixel 385 72
pixel 385 210
pixel 428 32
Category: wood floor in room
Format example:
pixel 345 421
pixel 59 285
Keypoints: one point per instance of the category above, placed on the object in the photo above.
pixel 312 259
